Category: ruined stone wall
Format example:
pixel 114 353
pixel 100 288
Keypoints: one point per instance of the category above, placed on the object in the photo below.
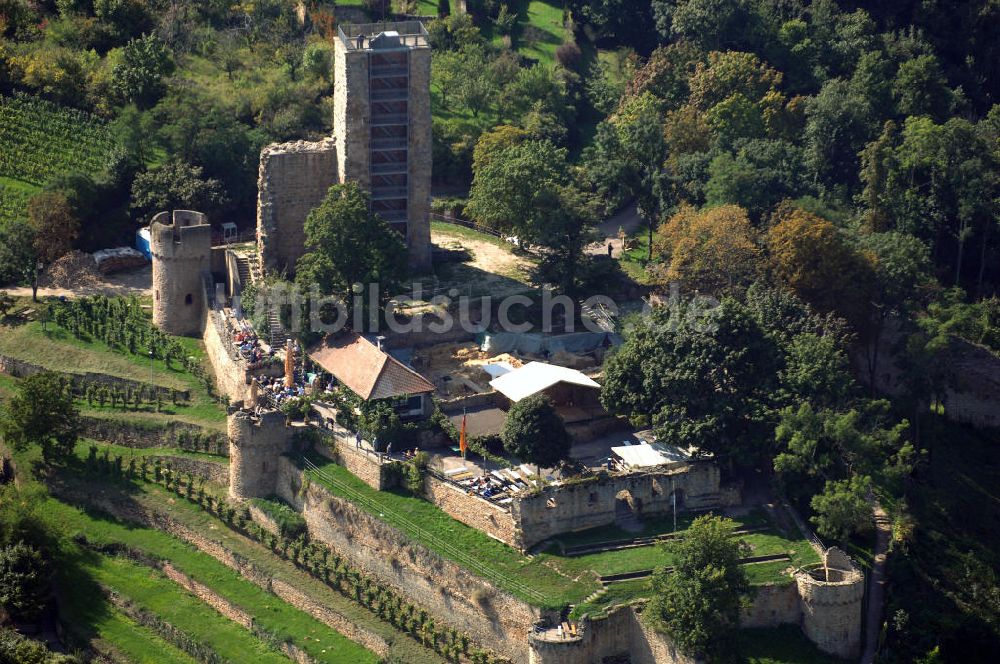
pixel 292 180
pixel 419 160
pixel 971 374
pixel 351 113
pixel 472 510
pixel 831 606
pixel 773 604
pixel 592 503
pixel 620 633
pixel 490 616
pixel 181 245
pixel 255 446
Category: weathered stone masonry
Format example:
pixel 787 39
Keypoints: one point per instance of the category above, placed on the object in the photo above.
pixel 181 244
pixel 293 179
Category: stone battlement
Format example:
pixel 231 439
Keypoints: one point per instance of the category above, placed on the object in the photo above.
pixel 181 245
pixel 255 445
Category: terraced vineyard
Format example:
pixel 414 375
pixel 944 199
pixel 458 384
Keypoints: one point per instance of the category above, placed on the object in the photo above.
pixel 40 140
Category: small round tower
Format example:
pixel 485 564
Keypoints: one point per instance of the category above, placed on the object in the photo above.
pixel 181 244
pixel 255 444
pixel 831 594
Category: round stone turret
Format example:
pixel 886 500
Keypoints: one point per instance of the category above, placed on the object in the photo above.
pixel 181 244
pixel 255 444
pixel 831 595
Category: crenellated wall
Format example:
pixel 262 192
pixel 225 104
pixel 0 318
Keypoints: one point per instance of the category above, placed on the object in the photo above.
pixel 181 244
pixel 255 447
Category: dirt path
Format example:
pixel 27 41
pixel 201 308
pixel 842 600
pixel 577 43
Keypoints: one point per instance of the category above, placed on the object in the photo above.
pixel 134 282
pixel 876 585
pixel 628 219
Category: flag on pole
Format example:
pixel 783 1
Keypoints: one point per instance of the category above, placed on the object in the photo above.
pixel 462 443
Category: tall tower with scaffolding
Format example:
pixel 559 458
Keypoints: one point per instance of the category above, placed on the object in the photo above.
pixel 382 124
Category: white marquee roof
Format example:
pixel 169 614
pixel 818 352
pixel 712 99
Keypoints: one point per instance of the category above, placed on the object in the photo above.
pixel 645 455
pixel 534 377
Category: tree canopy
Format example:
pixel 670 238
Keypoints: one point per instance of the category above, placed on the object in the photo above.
pixel 698 602
pixel 42 413
pixel 534 432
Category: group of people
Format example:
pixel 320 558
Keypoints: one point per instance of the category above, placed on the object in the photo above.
pixel 276 392
pixel 249 346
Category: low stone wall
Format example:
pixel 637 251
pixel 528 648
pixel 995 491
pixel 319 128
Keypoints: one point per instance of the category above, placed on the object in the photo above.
pixel 490 616
pixel 363 464
pixel 773 605
pixel 456 404
pixel 129 435
pixel 557 509
pixel 230 611
pixel 21 369
pixel 472 510
pixel 217 473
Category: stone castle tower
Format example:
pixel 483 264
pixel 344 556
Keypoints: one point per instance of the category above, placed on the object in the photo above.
pixel 831 596
pixel 382 121
pixel 381 140
pixel 181 245
pixel 255 443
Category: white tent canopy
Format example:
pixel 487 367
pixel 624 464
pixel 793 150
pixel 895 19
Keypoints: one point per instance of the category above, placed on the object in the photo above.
pixel 535 377
pixel 645 455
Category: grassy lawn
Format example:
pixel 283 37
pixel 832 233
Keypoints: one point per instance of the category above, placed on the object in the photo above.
pixel 768 542
pixel 271 614
pixel 540 30
pixel 530 579
pixel 90 620
pixel 634 260
pixel 463 232
pixel 58 350
pixel 402 647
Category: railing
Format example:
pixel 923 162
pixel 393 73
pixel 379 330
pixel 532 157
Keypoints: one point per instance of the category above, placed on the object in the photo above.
pixel 387 71
pixel 450 550
pixel 384 193
pixel 389 143
pixel 382 119
pixel 411 33
pixel 389 168
pixel 392 94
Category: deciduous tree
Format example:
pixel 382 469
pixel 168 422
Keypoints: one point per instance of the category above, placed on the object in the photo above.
pixel 42 413
pixel 698 603
pixel 535 433
pixel 713 251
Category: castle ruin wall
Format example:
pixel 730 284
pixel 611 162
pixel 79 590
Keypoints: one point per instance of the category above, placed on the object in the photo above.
pixel 564 508
pixel 293 179
pixel 491 617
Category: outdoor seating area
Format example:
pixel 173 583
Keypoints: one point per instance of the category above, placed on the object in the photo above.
pixel 498 486
pixel 247 343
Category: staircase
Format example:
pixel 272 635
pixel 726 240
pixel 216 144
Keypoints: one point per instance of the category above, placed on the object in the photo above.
pixel 277 335
pixel 243 269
